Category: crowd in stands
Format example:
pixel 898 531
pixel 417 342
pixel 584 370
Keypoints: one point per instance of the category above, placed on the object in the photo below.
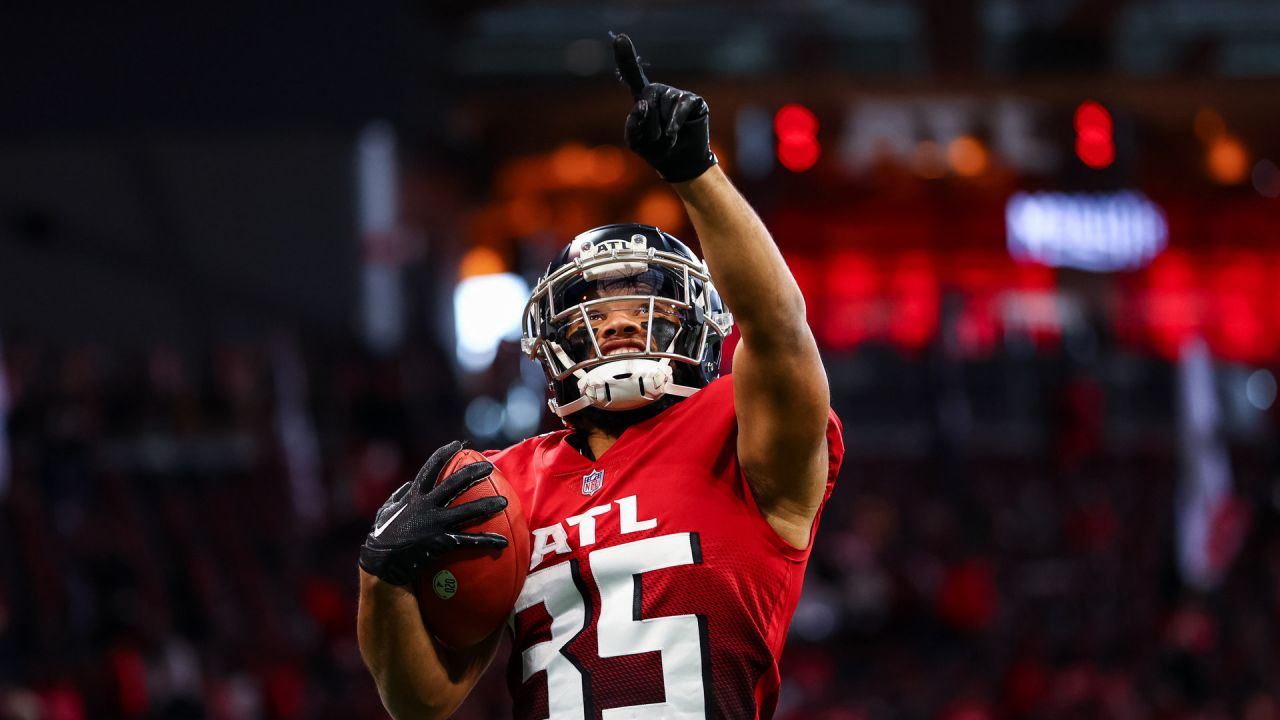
pixel 178 538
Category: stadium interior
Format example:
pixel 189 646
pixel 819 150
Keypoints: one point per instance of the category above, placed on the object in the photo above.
pixel 258 260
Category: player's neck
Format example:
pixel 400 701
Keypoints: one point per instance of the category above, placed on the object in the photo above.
pixel 599 441
pixel 596 430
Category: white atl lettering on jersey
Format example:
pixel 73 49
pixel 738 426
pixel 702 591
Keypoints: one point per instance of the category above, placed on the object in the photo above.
pixel 555 539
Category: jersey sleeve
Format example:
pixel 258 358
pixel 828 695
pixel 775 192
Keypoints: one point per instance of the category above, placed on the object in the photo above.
pixel 835 457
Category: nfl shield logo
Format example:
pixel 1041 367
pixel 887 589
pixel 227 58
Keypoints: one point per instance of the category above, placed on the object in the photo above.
pixel 592 482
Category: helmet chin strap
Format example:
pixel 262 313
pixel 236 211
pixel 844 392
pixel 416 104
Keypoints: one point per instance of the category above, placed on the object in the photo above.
pixel 620 385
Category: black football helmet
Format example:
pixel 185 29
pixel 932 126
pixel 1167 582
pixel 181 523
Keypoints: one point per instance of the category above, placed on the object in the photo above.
pixel 673 332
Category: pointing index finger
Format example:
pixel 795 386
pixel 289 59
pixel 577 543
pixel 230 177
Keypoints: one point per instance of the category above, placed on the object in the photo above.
pixel 624 54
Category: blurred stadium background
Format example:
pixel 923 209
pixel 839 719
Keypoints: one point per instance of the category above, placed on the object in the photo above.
pixel 257 260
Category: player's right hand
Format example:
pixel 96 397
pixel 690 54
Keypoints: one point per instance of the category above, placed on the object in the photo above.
pixel 416 523
pixel 670 128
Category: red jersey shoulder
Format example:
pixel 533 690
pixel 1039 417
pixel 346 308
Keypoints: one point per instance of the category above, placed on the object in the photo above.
pixel 718 392
pixel 710 408
pixel 520 462
pixel 713 407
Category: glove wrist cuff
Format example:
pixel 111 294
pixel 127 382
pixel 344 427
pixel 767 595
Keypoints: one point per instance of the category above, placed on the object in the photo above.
pixel 382 565
pixel 687 173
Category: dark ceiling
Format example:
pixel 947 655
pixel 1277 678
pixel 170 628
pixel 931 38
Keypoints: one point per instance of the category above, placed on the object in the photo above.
pixel 241 65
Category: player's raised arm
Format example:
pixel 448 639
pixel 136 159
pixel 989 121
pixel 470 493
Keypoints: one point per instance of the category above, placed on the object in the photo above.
pixel 416 676
pixel 780 387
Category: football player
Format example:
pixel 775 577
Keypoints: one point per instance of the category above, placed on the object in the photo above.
pixel 672 518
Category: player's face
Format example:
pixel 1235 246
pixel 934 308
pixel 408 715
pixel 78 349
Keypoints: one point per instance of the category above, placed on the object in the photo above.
pixel 622 325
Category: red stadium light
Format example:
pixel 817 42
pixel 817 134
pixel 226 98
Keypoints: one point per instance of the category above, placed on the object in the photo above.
pixel 1095 144
pixel 797 129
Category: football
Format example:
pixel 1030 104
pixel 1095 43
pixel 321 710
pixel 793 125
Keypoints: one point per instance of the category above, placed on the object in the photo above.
pixel 469 593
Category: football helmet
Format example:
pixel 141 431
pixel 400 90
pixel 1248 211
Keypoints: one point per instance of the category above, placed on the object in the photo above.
pixel 624 315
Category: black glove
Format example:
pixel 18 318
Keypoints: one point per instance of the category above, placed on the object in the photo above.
pixel 668 127
pixel 416 523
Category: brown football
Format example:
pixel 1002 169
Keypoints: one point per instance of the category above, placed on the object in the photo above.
pixel 468 593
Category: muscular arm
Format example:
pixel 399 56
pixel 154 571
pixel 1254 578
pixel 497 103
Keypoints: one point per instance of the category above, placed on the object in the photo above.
pixel 780 386
pixel 416 676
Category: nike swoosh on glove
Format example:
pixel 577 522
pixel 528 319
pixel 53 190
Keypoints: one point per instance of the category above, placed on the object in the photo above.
pixel 416 523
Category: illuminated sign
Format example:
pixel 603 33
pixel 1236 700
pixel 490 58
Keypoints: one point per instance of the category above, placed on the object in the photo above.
pixel 893 128
pixel 1095 145
pixel 797 129
pixel 1098 232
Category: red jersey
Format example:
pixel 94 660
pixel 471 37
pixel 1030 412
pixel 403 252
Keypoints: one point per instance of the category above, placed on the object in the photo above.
pixel 656 588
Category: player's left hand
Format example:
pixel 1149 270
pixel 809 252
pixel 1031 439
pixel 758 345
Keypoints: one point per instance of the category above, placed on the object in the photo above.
pixel 668 127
